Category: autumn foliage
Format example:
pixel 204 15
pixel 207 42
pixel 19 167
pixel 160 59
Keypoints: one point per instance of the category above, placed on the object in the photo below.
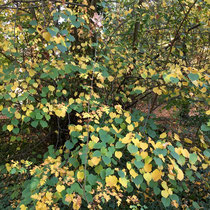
pixel 80 86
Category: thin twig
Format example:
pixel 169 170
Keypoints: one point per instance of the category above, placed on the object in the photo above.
pixel 177 32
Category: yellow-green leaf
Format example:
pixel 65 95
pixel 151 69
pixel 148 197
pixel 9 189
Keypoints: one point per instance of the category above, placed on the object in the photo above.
pixel 118 154
pixel 60 188
pixel 10 127
pixel 111 181
pixel 156 175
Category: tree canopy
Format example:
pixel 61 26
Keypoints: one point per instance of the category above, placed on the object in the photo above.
pixel 80 85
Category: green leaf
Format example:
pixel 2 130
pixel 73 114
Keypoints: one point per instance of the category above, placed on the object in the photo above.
pixel 75 188
pixel 193 77
pixel 61 48
pixel 106 160
pixel 195 205
pixel 205 128
pixel 138 180
pixel 33 23
pixel 92 179
pixel 156 190
pixel 119 145
pixel 165 201
pixel 43 123
pixel 207 153
pixel 158 161
pixel 71 38
pixel 132 148
pixel 174 197
pixel 76 24
pixel 69 145
pixel 34 123
pixel 14 122
pixel 121 173
pixel 151 133
pixel 193 158
pixel 34 183
pixel 53 31
pixel 53 181
pixel 118 120
pixel 39 116
pixel 139 164
pixel 174 80
pixel 16 130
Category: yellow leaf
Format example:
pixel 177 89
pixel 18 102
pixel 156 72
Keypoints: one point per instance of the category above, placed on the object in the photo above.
pixel 111 181
pixel 8 167
pixel 49 195
pixel 35 85
pixel 118 154
pixel 10 127
pixel 13 94
pixel 92 7
pixel 185 153
pixel 80 176
pixel 123 182
pixel 203 90
pixel 180 175
pixel 51 88
pixel 46 36
pixel 64 92
pixel 147 177
pixel 175 204
pixel 204 166
pixel 127 139
pixel 164 185
pixel 207 112
pixel 23 207
pixel 95 138
pixel 110 78
pixel 157 90
pixel 143 146
pixel 163 135
pixel 95 160
pixel 71 101
pixel 128 120
pixel 69 198
pixel 116 130
pixel 39 29
pixel 112 115
pixel 78 128
pixel 60 188
pixel 128 165
pixel 133 173
pixel 188 140
pixel 148 167
pixel 142 89
pixel 1 107
pixel 156 175
pixel 141 118
pixel 176 137
pixel 17 115
pixel 130 127
pixel 165 193
pixel 144 154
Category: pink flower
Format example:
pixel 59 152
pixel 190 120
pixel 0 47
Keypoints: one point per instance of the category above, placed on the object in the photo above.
pixel 97 19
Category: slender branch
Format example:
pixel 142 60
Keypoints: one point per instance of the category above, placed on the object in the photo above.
pixel 7 56
pixel 88 126
pixel 179 28
pixel 55 1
